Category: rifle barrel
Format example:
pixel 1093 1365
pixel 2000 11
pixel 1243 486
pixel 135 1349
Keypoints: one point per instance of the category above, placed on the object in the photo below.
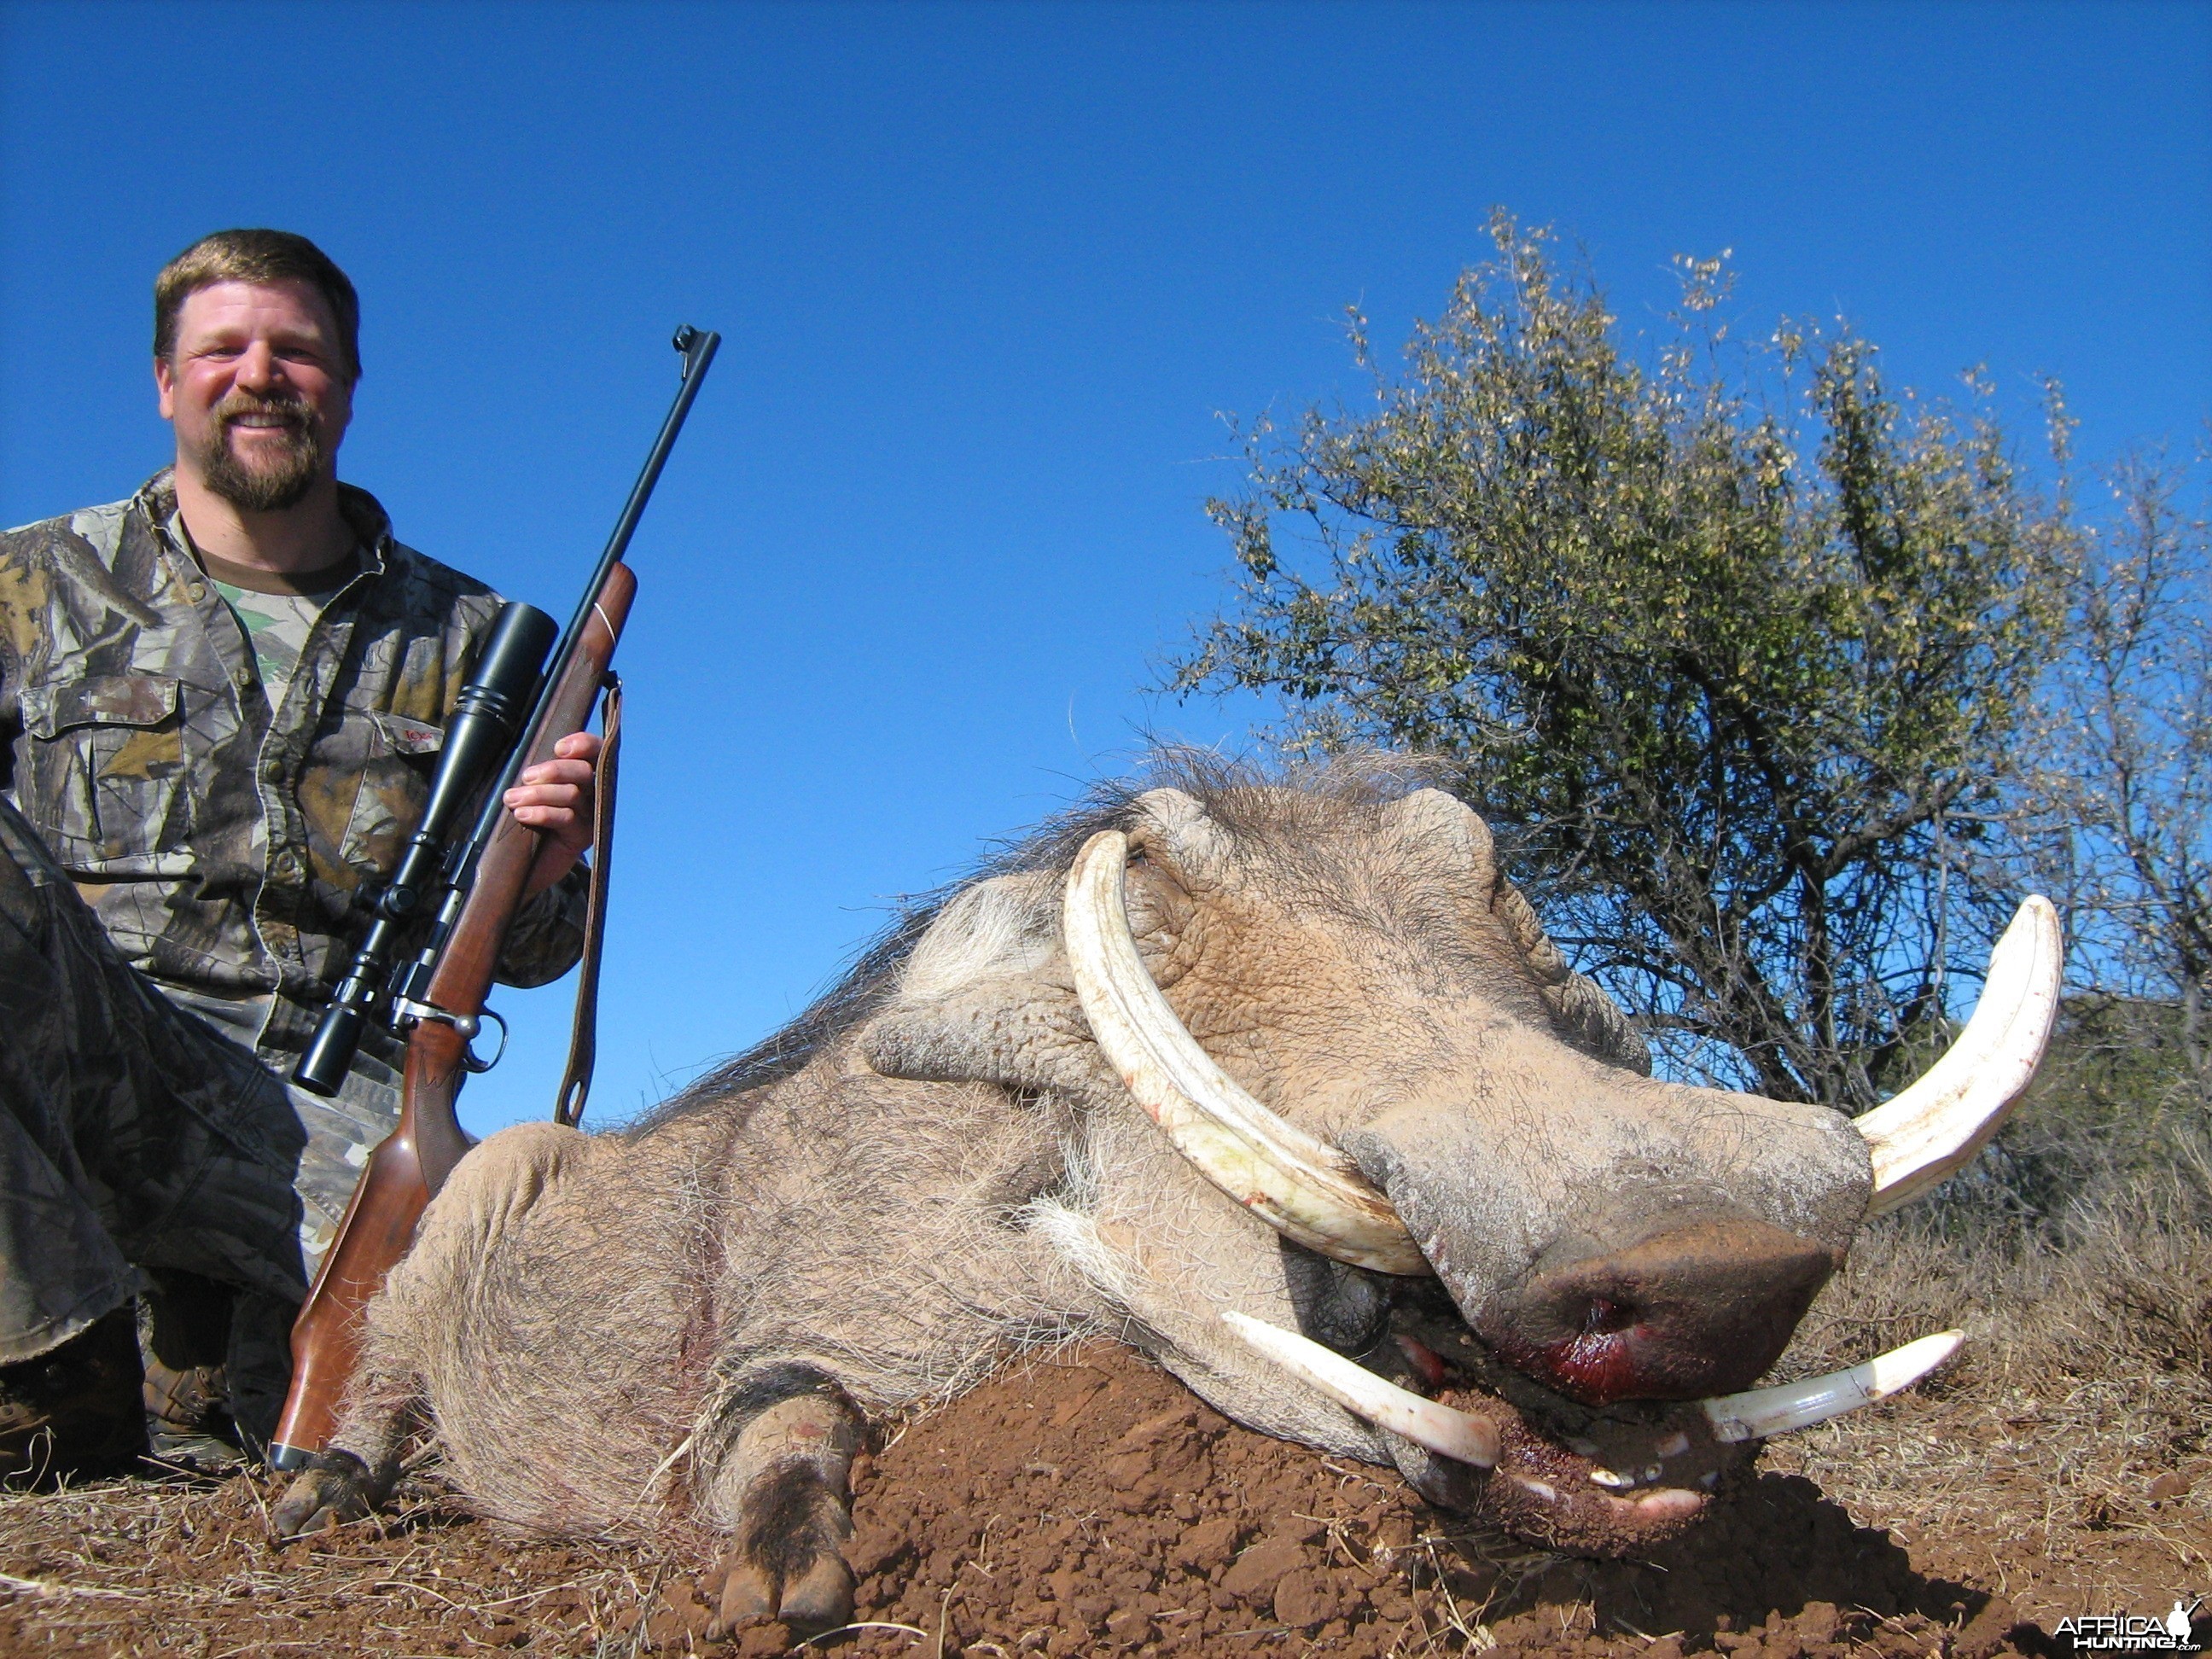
pixel 698 348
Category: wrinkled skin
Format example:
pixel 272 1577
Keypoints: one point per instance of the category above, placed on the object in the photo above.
pixel 701 1317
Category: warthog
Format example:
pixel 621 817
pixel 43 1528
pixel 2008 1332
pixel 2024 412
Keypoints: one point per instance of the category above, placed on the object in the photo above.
pixel 1201 1067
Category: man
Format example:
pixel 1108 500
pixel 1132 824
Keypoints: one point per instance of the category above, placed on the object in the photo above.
pixel 221 701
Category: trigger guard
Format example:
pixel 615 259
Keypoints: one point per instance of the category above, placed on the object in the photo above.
pixel 470 1063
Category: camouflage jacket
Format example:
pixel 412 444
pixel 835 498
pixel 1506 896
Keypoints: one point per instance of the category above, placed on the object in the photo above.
pixel 225 844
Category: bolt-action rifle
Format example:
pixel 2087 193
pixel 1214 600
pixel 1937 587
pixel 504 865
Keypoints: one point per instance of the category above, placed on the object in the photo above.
pixel 425 965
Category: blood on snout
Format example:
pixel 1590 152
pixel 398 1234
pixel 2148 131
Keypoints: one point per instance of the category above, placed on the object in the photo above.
pixel 1596 1366
pixel 1686 1310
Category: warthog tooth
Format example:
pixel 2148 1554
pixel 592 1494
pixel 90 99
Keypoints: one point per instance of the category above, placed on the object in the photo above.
pixel 1929 1131
pixel 1449 1433
pixel 1549 1493
pixel 1303 1188
pixel 1765 1412
pixel 1674 1444
pixel 1607 1478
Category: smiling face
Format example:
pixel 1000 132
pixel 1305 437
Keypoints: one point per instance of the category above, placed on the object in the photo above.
pixel 257 391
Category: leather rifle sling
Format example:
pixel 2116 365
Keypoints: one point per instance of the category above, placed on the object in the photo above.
pixel 583 1032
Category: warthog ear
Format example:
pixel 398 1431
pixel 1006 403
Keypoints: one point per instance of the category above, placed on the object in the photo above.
pixel 1435 819
pixel 985 998
pixel 1172 822
pixel 1591 1020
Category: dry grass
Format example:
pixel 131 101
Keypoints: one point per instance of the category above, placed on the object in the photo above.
pixel 133 1566
pixel 2081 1401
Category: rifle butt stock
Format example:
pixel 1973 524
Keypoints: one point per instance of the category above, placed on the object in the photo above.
pixel 396 1187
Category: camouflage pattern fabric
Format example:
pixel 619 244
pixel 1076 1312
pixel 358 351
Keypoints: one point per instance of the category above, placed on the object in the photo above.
pixel 226 846
pixel 276 626
pixel 132 1136
pixel 224 843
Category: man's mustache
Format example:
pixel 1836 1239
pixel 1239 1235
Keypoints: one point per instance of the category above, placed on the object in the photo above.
pixel 237 405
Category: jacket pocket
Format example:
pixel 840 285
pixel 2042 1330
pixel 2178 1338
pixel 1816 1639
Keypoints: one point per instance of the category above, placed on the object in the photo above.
pixel 400 755
pixel 107 769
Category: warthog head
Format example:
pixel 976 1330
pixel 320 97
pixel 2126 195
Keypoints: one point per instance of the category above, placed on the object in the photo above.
pixel 1544 1277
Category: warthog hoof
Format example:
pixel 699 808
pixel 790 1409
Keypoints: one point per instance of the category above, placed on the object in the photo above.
pixel 818 1599
pixel 786 1563
pixel 335 1487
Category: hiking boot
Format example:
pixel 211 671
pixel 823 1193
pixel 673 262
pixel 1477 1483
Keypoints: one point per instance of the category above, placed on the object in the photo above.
pixel 75 1409
pixel 188 1418
pixel 183 1327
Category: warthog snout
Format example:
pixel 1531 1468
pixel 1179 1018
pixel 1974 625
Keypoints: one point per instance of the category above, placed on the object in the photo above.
pixel 1685 1311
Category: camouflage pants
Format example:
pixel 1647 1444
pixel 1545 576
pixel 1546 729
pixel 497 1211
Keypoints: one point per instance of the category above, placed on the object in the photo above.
pixel 139 1141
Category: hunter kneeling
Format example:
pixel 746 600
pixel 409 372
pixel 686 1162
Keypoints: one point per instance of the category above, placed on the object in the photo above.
pixel 221 705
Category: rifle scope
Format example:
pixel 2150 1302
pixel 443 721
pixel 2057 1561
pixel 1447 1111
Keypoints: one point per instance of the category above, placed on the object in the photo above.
pixel 487 717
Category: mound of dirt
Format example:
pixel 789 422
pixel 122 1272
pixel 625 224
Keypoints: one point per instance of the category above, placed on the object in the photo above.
pixel 1090 1504
pixel 1086 1504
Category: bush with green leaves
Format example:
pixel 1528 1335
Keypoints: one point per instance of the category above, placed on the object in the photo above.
pixel 1733 641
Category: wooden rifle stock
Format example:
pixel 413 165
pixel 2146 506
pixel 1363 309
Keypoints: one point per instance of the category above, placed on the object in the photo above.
pixel 408 1168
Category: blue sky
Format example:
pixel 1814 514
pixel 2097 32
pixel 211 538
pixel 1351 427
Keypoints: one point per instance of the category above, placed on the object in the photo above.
pixel 987 275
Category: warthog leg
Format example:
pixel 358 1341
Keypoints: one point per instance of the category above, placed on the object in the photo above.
pixel 783 1490
pixel 415 1327
pixel 356 1474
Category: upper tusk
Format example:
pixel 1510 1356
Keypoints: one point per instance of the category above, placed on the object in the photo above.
pixel 1451 1433
pixel 1929 1131
pixel 1766 1411
pixel 1305 1189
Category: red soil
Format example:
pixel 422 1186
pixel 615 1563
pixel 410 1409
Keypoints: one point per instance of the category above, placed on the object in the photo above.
pixel 1084 1504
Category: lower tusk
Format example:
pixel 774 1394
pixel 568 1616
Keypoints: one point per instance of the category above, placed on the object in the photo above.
pixel 1449 1433
pixel 1765 1412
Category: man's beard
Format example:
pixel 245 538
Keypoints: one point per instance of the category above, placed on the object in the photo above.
pixel 275 480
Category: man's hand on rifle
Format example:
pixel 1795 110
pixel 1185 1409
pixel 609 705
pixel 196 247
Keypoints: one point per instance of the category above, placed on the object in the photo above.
pixel 555 796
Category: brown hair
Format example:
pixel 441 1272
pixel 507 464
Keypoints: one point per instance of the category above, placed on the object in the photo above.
pixel 255 256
